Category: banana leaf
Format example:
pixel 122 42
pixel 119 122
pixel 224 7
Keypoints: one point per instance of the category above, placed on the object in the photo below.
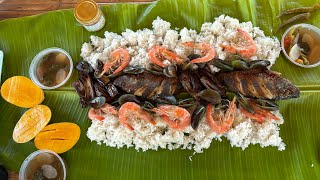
pixel 22 38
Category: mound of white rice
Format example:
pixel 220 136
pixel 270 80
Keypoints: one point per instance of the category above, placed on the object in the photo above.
pixel 147 136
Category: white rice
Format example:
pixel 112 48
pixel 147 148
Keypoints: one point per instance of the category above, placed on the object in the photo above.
pixel 146 136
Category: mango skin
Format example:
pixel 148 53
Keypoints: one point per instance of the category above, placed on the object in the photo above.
pixel 31 123
pixel 58 137
pixel 22 92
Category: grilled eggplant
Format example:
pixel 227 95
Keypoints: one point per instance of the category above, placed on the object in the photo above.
pixel 259 83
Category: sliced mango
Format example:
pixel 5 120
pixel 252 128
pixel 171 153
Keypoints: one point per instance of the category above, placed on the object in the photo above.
pixel 22 92
pixel 58 137
pixel 31 123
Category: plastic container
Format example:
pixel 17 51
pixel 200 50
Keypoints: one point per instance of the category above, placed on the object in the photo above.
pixel 37 163
pixel 38 59
pixel 308 27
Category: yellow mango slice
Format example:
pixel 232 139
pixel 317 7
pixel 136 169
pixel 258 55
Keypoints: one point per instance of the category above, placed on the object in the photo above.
pixel 31 123
pixel 58 137
pixel 22 92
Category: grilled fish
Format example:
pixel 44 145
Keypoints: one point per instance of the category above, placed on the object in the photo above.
pixel 259 83
pixel 147 84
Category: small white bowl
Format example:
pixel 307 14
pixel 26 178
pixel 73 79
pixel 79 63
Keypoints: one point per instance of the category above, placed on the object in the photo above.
pixel 309 27
pixel 38 58
pixel 38 159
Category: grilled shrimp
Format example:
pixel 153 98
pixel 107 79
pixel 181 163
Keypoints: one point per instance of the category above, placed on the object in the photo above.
pixel 176 117
pixel 158 54
pixel 119 58
pixel 221 123
pixel 245 47
pixel 97 114
pixel 132 109
pixel 207 51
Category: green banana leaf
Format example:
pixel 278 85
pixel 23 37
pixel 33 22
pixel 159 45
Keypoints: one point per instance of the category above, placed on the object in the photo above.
pixel 22 38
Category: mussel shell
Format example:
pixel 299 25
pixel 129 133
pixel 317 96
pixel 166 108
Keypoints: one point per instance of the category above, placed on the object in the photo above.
pixel 112 90
pixel 103 80
pixel 148 106
pixel 156 72
pixel 84 66
pixel 194 56
pixel 98 71
pixel 244 103
pixel 210 81
pixel 193 67
pixel 223 105
pixel 170 71
pixel 154 69
pixel 259 63
pixel 190 66
pixel 164 99
pixel 190 82
pixel 232 57
pixel 240 64
pixel 201 65
pixel 223 65
pixel 115 104
pixel 209 67
pixel 210 95
pixel 195 82
pixel 128 98
pixel 100 90
pixel 267 105
pixel 209 84
pixel 97 102
pixel 133 70
pixel 183 95
pixel 188 102
pixel 197 115
pixel 246 106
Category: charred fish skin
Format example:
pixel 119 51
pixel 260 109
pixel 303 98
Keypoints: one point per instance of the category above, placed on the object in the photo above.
pixel 147 84
pixel 259 83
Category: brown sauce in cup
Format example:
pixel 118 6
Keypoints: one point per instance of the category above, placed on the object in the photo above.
pixel 53 69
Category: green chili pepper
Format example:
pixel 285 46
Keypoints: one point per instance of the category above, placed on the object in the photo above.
pixel 303 16
pixel 310 9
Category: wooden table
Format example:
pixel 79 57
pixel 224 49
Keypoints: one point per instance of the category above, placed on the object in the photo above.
pixel 19 8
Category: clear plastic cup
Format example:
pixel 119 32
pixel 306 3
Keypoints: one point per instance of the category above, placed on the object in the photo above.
pixel 43 163
pixel 38 59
